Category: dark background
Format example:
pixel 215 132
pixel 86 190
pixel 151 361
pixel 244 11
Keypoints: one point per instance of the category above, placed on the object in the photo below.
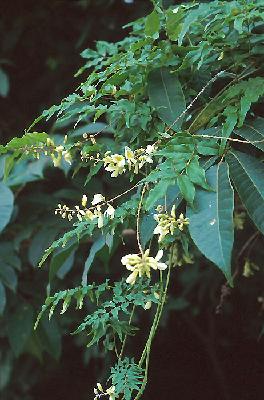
pixel 197 354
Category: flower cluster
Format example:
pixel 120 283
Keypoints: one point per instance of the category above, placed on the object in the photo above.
pixel 168 223
pixel 141 264
pixel 117 164
pixel 99 392
pixel 100 208
pixel 58 153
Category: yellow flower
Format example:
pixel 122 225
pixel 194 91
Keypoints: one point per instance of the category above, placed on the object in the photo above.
pixel 89 215
pixel 84 200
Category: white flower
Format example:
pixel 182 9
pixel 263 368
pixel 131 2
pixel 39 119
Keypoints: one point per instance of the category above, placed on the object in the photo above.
pixel 150 148
pixel 159 265
pixel 100 221
pixel 67 156
pixel 98 198
pixel 141 265
pixel 110 211
pixel 147 306
pixel 115 164
pixel 100 387
pixel 111 392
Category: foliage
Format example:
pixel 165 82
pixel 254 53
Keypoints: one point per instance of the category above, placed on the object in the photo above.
pixel 163 112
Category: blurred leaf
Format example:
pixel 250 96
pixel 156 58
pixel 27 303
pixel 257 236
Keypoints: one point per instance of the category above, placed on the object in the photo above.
pixel 40 242
pixel 59 258
pixel 19 327
pixel 66 266
pixel 6 360
pixel 26 171
pixel 8 276
pixel 9 256
pixel 4 83
pixel 6 205
pixel 2 298
pixel 50 337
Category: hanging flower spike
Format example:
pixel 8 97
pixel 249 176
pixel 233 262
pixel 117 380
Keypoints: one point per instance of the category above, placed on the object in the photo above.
pixel 168 223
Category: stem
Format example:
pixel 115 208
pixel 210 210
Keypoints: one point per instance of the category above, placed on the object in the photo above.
pixel 138 217
pixel 146 352
pixel 125 339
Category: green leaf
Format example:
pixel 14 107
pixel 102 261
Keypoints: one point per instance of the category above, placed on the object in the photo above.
pixel 9 163
pixel 253 132
pixel 211 219
pixel 208 147
pixel 173 22
pixel 197 173
pixel 18 144
pixel 147 227
pixel 2 298
pixel 6 205
pixel 191 17
pixel 231 120
pixel 4 83
pixel 186 187
pixel 247 174
pixel 59 258
pixel 166 96
pixel 96 246
pixel 19 327
pixel 152 25
pixel 159 191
